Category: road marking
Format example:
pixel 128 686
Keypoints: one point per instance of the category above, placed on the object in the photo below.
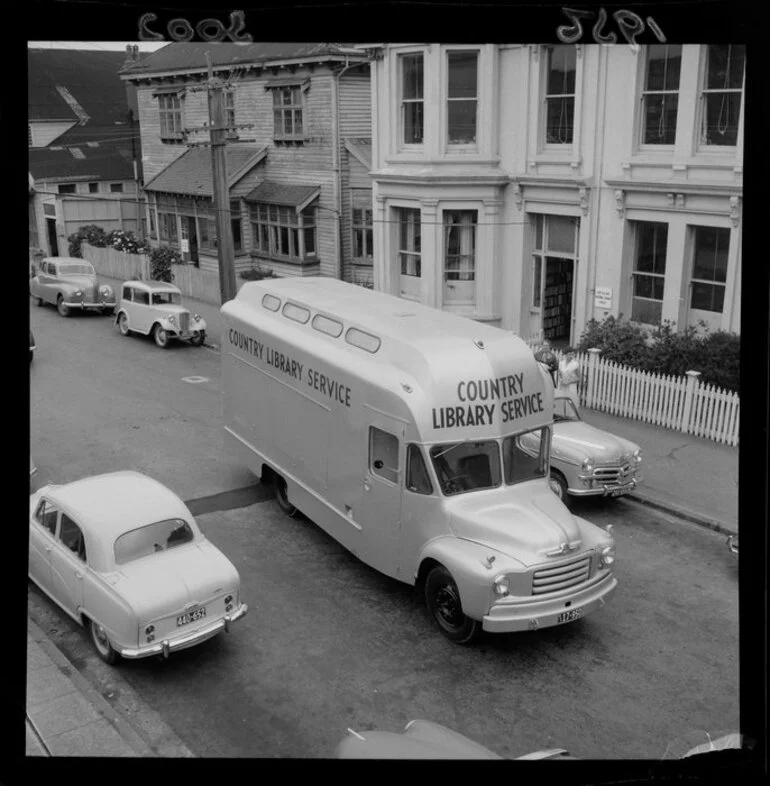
pixel 194 380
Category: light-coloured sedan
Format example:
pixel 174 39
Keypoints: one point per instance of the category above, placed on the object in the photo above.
pixel 155 308
pixel 586 461
pixel 124 557
pixel 70 283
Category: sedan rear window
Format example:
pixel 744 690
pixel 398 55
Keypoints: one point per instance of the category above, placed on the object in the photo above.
pixel 160 536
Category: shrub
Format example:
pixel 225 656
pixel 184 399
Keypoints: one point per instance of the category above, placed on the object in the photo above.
pixel 91 234
pixel 256 274
pixel 161 260
pixel 125 241
pixel 668 351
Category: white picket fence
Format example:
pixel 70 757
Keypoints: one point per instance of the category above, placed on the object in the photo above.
pixel 676 402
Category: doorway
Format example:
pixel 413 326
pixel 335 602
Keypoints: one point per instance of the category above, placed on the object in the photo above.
pixel 189 240
pixel 53 243
pixel 557 300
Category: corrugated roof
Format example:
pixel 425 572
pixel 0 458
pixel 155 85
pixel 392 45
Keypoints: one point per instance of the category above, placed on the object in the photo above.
pixel 282 194
pixel 105 162
pixel 192 56
pixel 190 174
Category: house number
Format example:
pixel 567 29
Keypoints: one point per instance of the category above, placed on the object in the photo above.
pixel 630 24
pixel 180 29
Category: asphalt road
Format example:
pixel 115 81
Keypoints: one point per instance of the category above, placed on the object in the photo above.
pixel 329 643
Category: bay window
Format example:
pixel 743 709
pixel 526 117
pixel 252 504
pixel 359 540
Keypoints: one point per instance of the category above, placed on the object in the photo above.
pixel 278 231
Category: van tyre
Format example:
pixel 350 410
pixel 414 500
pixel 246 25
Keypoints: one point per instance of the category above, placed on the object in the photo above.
pixel 101 643
pixel 443 600
pixel 282 497
pixel 559 487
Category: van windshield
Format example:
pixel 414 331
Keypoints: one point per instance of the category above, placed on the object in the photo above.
pixel 466 466
pixel 525 456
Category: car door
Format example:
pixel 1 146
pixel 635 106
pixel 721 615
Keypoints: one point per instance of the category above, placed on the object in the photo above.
pixel 42 537
pixel 140 311
pixel 41 289
pixel 68 565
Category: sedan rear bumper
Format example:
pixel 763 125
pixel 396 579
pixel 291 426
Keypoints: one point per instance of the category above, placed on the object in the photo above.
pixel 85 305
pixel 166 646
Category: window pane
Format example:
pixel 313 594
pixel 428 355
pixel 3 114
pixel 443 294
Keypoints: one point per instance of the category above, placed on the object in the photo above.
pixel 663 66
pixel 413 123
pixel 462 74
pixel 561 70
pixel 710 260
pixel 462 122
pixel 412 76
pixel 358 243
pixel 357 220
pixel 417 478
pixel 660 112
pixel 561 234
pixel 643 286
pixel 537 282
pixel 647 311
pixel 651 247
pixel 725 67
pixel 707 297
pixel 383 454
pixel 559 115
pixel 539 232
pixel 309 235
pixel 720 118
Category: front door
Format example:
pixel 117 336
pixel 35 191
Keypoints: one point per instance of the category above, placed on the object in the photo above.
pixel 42 533
pixel 68 566
pixel 383 480
pixel 53 243
pixel 189 240
pixel 558 285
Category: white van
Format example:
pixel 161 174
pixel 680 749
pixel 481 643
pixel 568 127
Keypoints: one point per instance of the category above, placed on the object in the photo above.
pixel 397 429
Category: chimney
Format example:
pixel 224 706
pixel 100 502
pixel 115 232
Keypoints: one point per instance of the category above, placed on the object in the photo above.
pixel 132 55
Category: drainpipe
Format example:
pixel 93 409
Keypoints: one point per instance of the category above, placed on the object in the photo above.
pixel 336 168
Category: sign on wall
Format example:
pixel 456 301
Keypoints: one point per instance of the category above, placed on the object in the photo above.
pixel 603 297
pixel 185 243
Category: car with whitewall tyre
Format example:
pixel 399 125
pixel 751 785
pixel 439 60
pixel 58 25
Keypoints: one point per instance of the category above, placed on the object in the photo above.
pixel 71 284
pixel 154 308
pixel 123 556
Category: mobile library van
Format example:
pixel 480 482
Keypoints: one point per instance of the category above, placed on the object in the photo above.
pixel 402 431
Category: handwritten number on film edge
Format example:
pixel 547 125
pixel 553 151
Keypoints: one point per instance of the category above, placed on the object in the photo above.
pixel 629 23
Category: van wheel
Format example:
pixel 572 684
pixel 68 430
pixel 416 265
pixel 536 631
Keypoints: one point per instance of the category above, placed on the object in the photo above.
pixel 559 487
pixel 101 643
pixel 282 498
pixel 443 600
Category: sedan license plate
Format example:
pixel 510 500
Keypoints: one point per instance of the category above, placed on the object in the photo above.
pixel 570 616
pixel 618 492
pixel 191 616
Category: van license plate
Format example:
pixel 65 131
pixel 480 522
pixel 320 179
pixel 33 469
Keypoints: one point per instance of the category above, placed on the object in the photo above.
pixel 192 616
pixel 617 492
pixel 570 616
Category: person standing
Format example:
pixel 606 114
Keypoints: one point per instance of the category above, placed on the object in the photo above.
pixel 569 376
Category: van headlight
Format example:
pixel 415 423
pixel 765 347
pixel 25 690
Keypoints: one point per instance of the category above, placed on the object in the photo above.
pixel 637 456
pixel 607 556
pixel 501 586
pixel 588 466
pixel 171 318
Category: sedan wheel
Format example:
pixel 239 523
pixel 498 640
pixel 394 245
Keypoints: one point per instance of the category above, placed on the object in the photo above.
pixel 443 600
pixel 102 643
pixel 559 487
pixel 61 307
pixel 161 337
pixel 39 301
pixel 123 324
pixel 199 339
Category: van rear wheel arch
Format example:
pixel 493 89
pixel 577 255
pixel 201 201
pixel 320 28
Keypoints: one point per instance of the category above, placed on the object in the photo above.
pixel 282 496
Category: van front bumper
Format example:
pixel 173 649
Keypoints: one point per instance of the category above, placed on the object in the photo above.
pixel 509 616
pixel 166 646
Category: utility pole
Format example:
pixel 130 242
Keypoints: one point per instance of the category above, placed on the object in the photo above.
pixel 221 194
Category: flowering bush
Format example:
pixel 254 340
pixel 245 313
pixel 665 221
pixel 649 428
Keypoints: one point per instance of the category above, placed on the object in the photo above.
pixel 125 241
pixel 256 274
pixel 91 234
pixel 161 260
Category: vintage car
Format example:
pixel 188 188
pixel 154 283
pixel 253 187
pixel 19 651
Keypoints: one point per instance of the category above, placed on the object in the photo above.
pixel 155 308
pixel 32 346
pixel 124 557
pixel 424 740
pixel 71 283
pixel 586 461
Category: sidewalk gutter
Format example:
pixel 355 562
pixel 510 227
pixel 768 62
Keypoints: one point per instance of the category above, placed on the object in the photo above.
pixel 680 512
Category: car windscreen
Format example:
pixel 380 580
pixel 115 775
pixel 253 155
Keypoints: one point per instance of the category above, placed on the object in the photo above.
pixel 525 456
pixel 466 466
pixel 76 270
pixel 152 538
pixel 564 409
pixel 166 298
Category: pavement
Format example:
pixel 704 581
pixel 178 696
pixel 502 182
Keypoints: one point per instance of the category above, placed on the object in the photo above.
pixel 688 477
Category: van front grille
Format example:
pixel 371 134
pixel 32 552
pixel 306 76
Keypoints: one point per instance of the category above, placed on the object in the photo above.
pixel 184 321
pixel 562 576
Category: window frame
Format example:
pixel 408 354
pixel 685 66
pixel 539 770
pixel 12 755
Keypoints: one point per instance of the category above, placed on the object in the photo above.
pixel 394 473
pixel 67 188
pixel 412 449
pixel 81 552
pixel 645 93
pixel 363 228
pixel 558 146
pixel 543 252
pixel 415 255
pixel 230 122
pixel 415 100
pixel 46 503
pixel 171 117
pixel 658 226
pixel 713 283
pixel 450 146
pixel 704 91
pixel 279 131
pixel 267 231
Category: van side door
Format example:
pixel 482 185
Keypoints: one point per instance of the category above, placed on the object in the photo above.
pixel 380 509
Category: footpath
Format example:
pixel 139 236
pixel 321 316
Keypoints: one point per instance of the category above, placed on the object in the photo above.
pixel 688 477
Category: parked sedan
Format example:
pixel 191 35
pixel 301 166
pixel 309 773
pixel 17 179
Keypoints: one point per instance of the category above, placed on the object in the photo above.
pixel 124 557
pixel 586 461
pixel 424 740
pixel 70 283
pixel 155 308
